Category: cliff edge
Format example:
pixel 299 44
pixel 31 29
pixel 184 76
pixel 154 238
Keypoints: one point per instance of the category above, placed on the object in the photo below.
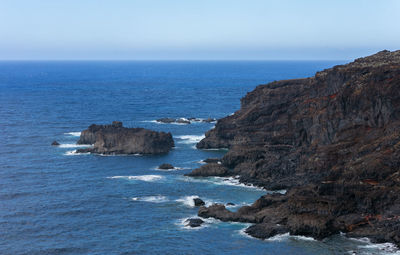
pixel 332 140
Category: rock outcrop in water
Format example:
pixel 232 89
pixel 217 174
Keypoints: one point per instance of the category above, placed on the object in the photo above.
pixel 332 140
pixel 116 139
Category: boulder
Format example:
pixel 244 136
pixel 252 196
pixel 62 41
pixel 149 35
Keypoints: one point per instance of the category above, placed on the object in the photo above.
pixel 166 120
pixel 55 143
pixel 166 166
pixel 209 120
pixel 194 222
pixel 198 202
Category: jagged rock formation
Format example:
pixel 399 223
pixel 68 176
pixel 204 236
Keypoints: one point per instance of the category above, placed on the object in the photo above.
pixel 332 140
pixel 116 139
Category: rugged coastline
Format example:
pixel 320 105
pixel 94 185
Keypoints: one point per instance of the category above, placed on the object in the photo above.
pixel 332 140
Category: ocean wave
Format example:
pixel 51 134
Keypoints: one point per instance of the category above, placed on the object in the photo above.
pixel 74 153
pixel 287 236
pixel 233 181
pixel 182 223
pixel 151 199
pixel 228 181
pixel 189 139
pixel 74 145
pixel 73 134
pixel 365 246
pixel 162 123
pixel 146 178
pixel 182 121
pixel 120 155
pixel 188 201
pixel 172 169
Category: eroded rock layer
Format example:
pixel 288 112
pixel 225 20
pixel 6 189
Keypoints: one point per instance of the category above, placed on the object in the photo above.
pixel 332 140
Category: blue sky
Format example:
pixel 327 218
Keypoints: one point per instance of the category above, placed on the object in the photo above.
pixel 197 29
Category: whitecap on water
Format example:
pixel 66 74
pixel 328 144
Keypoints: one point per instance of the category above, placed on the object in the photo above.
pixel 365 246
pixel 172 169
pixel 74 153
pixel 287 236
pixel 189 139
pixel 230 181
pixel 187 200
pixel 73 133
pixel 151 199
pixel 146 178
pixel 182 223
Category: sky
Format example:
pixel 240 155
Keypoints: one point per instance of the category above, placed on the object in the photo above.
pixel 197 29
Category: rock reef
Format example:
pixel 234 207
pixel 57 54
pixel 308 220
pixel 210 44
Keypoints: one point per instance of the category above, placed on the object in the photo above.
pixel 332 140
pixel 116 139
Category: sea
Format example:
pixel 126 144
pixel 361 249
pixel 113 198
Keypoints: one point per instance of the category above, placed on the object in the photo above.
pixel 56 201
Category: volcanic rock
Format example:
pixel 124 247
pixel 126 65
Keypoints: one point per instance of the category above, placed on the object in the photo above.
pixel 166 120
pixel 211 169
pixel 166 166
pixel 116 139
pixel 212 160
pixel 198 202
pixel 194 222
pixel 332 140
pixel 55 143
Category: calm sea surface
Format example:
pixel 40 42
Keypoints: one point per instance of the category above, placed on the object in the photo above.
pixel 55 202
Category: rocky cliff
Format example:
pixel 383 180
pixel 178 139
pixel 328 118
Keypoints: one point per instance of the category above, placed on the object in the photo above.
pixel 332 140
pixel 116 139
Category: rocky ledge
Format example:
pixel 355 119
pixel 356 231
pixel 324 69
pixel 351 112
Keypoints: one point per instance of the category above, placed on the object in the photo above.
pixel 116 139
pixel 332 140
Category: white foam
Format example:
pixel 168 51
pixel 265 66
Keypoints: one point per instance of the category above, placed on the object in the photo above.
pixel 151 199
pixel 187 200
pixel 146 178
pixel 189 139
pixel 243 233
pixel 73 134
pixel 207 222
pixel 367 247
pixel 74 153
pixel 287 236
pixel 74 145
pixel 234 181
pixel 120 155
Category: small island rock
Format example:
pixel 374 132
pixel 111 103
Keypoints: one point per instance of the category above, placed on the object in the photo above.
pixel 166 166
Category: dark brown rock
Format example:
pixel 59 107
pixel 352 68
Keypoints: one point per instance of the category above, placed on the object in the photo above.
pixel 212 160
pixel 211 169
pixel 332 140
pixel 116 139
pixel 166 166
pixel 55 143
pixel 194 222
pixel 166 120
pixel 198 202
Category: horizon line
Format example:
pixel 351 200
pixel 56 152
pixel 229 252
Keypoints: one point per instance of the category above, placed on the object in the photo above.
pixel 163 60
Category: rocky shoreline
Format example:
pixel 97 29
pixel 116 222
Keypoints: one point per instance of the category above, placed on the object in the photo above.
pixel 332 140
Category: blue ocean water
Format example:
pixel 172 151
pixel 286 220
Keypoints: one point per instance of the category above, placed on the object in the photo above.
pixel 55 202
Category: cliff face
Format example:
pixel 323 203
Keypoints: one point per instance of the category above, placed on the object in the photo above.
pixel 332 140
pixel 116 139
